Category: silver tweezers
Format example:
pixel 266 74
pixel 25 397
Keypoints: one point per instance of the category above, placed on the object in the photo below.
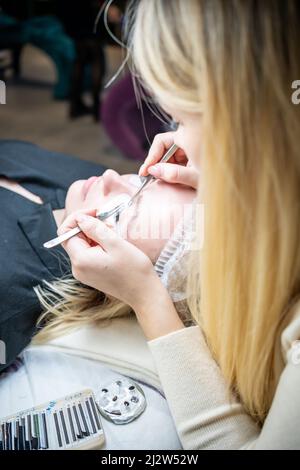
pixel 116 210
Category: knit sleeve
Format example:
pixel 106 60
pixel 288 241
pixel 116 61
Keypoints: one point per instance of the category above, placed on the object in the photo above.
pixel 206 414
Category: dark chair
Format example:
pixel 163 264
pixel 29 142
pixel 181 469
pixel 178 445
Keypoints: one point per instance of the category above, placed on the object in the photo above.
pixel 124 123
pixel 11 39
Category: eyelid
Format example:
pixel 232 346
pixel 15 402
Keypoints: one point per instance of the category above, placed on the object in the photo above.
pixel 135 180
pixel 117 224
pixel 123 197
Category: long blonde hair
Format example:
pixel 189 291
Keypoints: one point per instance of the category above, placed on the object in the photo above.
pixel 235 60
pixel 68 304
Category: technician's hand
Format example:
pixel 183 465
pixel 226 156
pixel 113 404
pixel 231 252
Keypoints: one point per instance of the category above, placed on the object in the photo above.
pixel 106 262
pixel 177 170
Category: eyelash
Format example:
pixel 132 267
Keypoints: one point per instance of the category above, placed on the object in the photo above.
pixel 176 124
pixel 117 224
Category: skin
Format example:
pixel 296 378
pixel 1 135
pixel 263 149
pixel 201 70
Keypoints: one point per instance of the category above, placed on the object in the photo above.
pixel 104 261
pixel 185 163
pixel 159 203
pixel 17 188
pixel 118 268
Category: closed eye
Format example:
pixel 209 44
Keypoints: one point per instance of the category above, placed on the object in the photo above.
pixel 134 211
pixel 135 181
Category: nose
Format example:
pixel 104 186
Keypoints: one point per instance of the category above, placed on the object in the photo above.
pixel 113 183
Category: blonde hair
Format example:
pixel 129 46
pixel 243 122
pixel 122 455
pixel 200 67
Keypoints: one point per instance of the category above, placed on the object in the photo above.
pixel 67 304
pixel 235 60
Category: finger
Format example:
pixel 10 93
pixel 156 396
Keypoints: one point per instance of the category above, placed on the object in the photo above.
pixel 178 158
pixel 82 254
pixel 97 231
pixel 179 174
pixel 161 143
pixel 76 245
pixel 70 222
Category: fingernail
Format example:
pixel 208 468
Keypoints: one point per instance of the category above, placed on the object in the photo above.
pixel 141 170
pixel 155 170
pixel 81 218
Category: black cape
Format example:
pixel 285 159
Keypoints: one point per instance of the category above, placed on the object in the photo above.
pixel 24 227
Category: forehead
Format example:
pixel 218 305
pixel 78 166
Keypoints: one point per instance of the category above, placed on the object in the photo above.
pixel 159 195
pixel 162 201
pixel 156 211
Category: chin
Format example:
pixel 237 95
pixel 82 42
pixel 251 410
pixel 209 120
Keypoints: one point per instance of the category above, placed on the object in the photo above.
pixel 74 198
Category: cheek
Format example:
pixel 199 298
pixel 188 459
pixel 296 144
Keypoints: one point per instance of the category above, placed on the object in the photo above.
pixel 193 144
pixel 190 140
pixel 150 230
pixel 196 144
pixel 94 198
pixel 151 247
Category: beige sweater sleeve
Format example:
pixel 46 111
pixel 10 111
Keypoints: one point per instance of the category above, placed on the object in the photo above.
pixel 205 414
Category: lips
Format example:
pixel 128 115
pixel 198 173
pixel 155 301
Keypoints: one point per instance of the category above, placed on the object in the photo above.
pixel 87 185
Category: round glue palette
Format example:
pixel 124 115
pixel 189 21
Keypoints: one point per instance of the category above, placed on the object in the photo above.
pixel 121 401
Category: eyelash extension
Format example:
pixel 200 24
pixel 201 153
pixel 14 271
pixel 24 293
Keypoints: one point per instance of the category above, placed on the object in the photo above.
pixel 117 220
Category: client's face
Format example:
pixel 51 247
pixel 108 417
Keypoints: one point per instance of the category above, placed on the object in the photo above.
pixel 149 222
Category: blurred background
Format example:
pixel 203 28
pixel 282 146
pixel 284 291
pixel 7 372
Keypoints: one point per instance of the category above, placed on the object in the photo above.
pixel 55 67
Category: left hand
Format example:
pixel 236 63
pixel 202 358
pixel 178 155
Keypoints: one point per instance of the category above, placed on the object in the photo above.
pixel 106 262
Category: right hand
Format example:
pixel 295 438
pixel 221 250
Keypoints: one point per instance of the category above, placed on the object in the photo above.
pixel 177 170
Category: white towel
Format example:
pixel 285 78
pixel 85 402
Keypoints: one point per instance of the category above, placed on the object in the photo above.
pixel 120 344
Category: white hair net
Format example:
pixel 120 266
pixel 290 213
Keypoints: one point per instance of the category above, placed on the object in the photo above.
pixel 172 263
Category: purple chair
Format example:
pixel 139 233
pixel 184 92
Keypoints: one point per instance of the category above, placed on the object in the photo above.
pixel 123 122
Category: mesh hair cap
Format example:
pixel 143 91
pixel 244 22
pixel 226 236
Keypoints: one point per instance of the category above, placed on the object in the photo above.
pixel 172 263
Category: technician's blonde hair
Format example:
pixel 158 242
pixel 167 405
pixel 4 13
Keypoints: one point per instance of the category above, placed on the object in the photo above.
pixel 236 61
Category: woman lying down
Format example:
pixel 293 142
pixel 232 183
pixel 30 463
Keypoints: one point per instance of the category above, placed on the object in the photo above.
pixel 38 190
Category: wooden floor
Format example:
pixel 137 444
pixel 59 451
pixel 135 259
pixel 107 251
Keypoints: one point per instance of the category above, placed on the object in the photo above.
pixel 31 114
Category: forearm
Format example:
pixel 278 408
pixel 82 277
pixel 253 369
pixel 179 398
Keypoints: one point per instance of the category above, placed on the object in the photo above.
pixel 195 390
pixel 206 415
pixel 156 313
